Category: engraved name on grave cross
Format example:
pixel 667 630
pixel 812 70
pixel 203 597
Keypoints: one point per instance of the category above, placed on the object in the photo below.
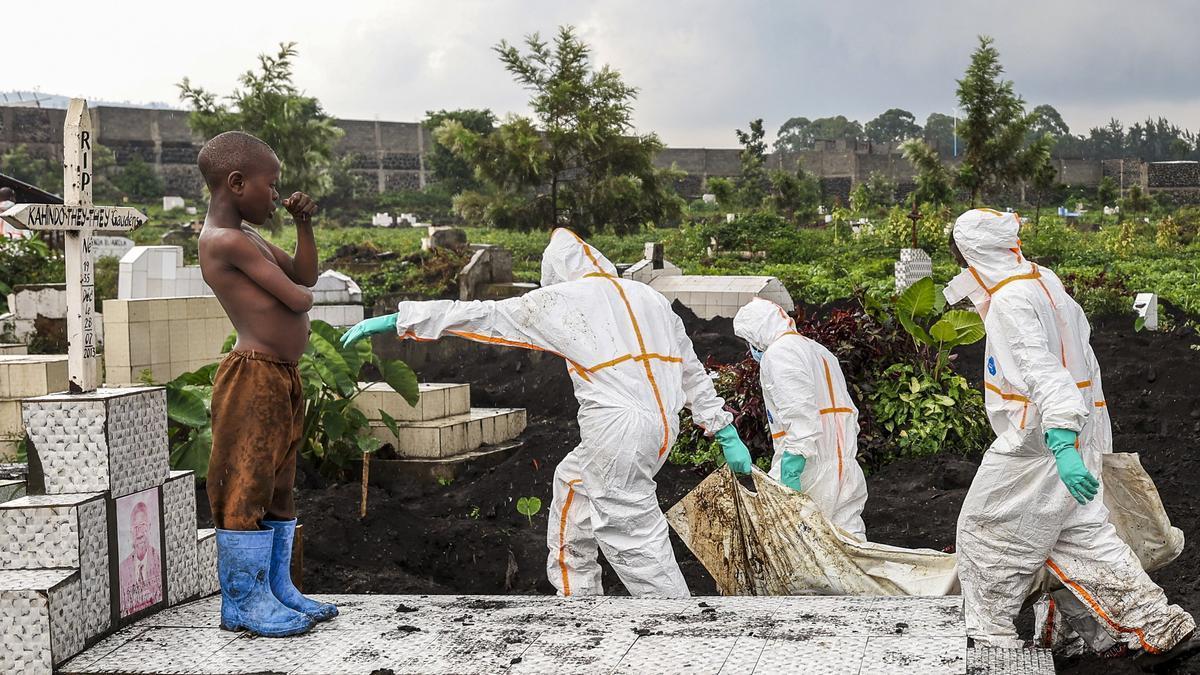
pixel 77 218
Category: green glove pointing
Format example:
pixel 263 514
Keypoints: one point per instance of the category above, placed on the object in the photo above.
pixel 366 327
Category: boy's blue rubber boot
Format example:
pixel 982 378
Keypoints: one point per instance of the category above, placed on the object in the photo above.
pixel 247 603
pixel 281 574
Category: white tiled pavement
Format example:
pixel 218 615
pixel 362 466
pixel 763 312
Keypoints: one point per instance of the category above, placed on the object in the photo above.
pixel 541 634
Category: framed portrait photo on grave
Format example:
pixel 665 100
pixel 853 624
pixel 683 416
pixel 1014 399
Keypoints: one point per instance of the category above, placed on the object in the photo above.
pixel 138 561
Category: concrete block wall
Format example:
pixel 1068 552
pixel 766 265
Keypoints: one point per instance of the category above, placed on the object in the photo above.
pixel 24 376
pixel 167 336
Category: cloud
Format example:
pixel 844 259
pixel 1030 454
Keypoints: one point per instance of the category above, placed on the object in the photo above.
pixel 703 68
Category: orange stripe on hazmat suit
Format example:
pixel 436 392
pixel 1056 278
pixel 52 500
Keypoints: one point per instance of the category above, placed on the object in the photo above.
pixel 634 370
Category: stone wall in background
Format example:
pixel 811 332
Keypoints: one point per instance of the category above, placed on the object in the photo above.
pixel 390 155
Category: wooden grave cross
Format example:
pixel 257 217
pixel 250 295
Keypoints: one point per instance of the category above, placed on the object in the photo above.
pixel 77 218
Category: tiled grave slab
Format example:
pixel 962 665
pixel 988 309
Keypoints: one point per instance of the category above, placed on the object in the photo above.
pixel 40 622
pixel 11 488
pixel 206 562
pixel 926 655
pixel 1009 661
pixel 179 509
pixel 540 634
pixel 109 440
pixel 66 532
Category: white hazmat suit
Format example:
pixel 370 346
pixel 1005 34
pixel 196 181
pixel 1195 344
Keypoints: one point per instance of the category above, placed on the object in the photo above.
pixel 634 369
pixel 810 411
pixel 1041 374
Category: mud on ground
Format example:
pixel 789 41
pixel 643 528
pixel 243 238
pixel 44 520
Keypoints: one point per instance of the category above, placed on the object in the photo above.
pixel 467 537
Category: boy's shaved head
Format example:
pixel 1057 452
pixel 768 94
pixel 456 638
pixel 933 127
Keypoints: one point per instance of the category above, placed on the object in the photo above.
pixel 229 152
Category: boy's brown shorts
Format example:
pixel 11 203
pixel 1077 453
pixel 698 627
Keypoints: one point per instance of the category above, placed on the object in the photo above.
pixel 258 427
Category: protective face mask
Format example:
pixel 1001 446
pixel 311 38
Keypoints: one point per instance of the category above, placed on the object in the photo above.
pixel 756 354
pixel 965 286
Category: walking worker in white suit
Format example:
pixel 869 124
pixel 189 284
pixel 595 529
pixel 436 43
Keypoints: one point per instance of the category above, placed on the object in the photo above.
pixel 634 369
pixel 814 424
pixel 1036 499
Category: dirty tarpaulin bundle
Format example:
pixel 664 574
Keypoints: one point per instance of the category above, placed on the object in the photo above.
pixel 775 541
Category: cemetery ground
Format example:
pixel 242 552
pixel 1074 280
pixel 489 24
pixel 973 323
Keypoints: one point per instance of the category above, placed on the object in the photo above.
pixel 466 536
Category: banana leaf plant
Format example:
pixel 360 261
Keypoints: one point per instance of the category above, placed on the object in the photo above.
pixel 921 310
pixel 335 432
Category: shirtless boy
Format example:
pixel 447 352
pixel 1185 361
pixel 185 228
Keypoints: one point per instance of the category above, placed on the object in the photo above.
pixel 257 398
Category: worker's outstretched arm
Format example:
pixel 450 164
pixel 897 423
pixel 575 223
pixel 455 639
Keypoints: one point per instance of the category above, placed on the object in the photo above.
pixel 514 322
pixel 708 409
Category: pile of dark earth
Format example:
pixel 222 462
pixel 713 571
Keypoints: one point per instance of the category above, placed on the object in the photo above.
pixel 467 537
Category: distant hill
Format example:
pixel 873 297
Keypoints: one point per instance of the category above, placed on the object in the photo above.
pixel 37 99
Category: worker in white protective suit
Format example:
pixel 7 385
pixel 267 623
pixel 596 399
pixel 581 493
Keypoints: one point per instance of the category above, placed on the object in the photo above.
pixel 1035 500
pixel 634 369
pixel 813 421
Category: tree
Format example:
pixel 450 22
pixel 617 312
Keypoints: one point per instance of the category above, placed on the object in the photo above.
pixel 37 171
pixel 452 171
pixel 933 179
pixel 270 106
pixel 1042 179
pixel 892 126
pixel 795 195
pixel 939 133
pixel 799 133
pixel 753 183
pixel 581 164
pixel 138 180
pixel 1108 141
pixel 993 127
pixel 1044 120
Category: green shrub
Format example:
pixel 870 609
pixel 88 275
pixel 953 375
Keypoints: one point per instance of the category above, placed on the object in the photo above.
pixel 929 412
pixel 334 432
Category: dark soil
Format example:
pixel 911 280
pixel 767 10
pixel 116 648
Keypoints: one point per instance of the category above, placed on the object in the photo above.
pixel 467 537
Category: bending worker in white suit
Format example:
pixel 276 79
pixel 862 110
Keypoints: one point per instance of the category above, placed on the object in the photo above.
pixel 634 369
pixel 813 422
pixel 1035 500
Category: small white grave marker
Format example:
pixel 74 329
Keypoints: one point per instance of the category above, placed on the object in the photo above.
pixel 77 218
pixel 1146 306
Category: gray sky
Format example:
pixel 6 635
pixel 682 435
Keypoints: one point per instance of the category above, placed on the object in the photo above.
pixel 704 67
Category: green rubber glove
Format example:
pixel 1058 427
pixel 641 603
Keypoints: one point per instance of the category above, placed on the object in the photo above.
pixel 737 456
pixel 1080 482
pixel 790 468
pixel 371 326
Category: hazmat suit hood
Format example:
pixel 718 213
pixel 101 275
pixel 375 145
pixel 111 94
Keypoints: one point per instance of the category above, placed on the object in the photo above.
pixel 569 258
pixel 762 322
pixel 990 242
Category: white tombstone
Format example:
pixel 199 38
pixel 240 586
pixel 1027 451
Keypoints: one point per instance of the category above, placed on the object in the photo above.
pixel 709 198
pixel 337 300
pixel 78 219
pixel 382 220
pixel 1146 306
pixel 914 265
pixel 158 272
pixel 191 210
pixel 721 296
pixel 172 202
pixel 730 217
